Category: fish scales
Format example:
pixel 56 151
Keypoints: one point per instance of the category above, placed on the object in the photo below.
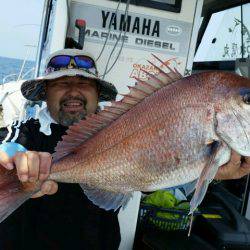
pixel 182 132
pixel 111 160
pixel 123 127
pixel 137 166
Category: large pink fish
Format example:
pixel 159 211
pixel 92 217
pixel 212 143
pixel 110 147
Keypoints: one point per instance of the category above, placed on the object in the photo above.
pixel 166 132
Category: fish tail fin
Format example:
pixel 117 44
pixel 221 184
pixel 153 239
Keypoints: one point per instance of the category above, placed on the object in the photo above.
pixel 12 192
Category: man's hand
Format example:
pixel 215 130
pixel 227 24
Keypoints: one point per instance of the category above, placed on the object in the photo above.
pixel 31 166
pixel 236 168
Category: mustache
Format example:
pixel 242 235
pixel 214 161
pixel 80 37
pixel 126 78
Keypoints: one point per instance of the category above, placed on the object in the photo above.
pixel 74 98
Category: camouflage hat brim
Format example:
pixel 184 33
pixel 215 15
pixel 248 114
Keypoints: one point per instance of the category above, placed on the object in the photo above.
pixel 34 90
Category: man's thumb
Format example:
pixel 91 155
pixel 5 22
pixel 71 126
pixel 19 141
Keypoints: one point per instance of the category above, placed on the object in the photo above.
pixel 5 161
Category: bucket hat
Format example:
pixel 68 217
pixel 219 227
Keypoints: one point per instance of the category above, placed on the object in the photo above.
pixel 67 62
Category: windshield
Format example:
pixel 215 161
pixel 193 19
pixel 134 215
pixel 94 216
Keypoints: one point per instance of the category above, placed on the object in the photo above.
pixel 226 36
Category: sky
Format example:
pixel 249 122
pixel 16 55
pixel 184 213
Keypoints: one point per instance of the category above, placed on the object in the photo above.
pixel 19 26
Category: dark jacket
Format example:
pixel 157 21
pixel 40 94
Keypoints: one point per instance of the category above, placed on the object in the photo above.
pixel 66 220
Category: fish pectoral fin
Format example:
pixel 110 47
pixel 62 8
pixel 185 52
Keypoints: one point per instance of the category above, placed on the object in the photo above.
pixel 106 199
pixel 216 159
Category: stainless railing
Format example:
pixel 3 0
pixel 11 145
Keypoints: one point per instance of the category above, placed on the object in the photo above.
pixel 43 32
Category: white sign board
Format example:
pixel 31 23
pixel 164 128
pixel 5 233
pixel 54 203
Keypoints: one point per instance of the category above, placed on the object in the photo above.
pixel 222 39
pixel 144 35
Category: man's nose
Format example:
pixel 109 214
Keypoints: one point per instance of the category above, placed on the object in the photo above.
pixel 73 89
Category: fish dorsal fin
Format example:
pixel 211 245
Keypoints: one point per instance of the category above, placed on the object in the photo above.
pixel 78 133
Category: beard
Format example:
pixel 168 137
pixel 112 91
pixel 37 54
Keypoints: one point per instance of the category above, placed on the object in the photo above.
pixel 68 118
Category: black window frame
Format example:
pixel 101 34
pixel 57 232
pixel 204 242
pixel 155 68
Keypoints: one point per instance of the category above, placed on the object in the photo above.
pixel 157 5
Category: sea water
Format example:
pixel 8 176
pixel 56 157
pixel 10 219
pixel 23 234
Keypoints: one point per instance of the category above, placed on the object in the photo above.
pixel 9 66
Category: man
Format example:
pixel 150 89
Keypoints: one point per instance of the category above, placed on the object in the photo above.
pixel 71 89
pixel 67 219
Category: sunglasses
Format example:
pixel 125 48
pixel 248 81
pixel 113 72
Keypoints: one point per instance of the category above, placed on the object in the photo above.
pixel 64 61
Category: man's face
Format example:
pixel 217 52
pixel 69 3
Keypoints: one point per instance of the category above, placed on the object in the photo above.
pixel 70 99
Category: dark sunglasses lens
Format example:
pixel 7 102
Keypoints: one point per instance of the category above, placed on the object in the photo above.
pixel 84 62
pixel 59 61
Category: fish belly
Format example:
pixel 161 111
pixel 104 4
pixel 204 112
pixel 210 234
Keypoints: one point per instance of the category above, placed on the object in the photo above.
pixel 155 157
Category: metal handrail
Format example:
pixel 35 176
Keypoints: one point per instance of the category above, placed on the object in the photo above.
pixel 17 76
pixel 6 77
pixel 30 70
pixel 3 98
pixel 24 62
pixel 42 36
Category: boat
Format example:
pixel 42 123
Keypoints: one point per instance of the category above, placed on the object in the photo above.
pixel 123 35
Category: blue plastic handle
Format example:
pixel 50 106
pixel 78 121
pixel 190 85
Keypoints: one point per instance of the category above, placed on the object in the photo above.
pixel 10 148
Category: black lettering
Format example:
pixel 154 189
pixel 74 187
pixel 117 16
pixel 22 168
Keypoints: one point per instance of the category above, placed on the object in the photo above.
pixel 150 43
pixel 95 33
pixel 104 18
pixel 136 26
pixel 168 46
pixel 125 26
pixel 87 32
pixel 156 29
pixel 104 35
pixel 157 44
pixel 116 37
pixel 165 45
pixel 248 49
pixel 113 21
pixel 125 39
pixel 139 41
pixel 146 26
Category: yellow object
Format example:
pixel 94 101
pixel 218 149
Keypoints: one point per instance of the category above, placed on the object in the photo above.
pixel 212 216
pixel 171 220
pixel 161 198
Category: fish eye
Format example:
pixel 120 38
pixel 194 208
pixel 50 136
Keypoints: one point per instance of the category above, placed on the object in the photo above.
pixel 246 98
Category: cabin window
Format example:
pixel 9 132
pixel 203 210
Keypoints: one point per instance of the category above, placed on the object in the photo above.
pixel 227 36
pixel 167 5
